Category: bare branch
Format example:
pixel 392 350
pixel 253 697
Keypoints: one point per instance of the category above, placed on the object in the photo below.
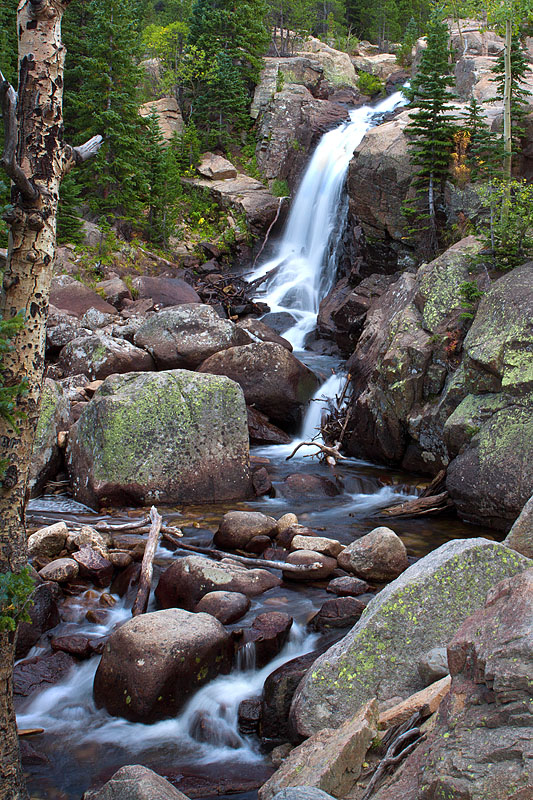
pixel 8 103
pixel 331 452
pixel 74 156
pixel 145 582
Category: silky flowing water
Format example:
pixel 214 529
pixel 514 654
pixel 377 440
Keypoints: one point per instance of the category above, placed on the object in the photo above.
pixel 81 745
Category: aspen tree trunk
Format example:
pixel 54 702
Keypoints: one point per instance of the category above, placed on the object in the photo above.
pixel 507 133
pixel 35 159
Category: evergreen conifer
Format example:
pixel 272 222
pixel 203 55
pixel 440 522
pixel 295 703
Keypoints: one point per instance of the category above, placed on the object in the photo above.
pixel 519 94
pixel 430 132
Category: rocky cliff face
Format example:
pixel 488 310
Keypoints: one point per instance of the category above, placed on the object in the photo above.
pixel 429 395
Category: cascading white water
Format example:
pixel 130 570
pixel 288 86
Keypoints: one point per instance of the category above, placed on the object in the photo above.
pixel 305 260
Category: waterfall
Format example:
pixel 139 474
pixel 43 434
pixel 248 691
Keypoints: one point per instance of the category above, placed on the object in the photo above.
pixel 305 263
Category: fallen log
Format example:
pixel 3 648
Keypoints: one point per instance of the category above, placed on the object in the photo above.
pixel 420 507
pixel 105 527
pixel 147 567
pixel 252 562
pixel 30 731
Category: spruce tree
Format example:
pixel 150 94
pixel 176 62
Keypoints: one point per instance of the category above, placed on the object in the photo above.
pixel 102 77
pixel 485 149
pixel 430 133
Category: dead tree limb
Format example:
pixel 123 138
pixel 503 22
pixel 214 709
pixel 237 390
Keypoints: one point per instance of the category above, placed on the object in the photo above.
pixel 251 562
pixel 265 240
pixel 147 567
pixel 75 156
pixel 397 751
pixel 123 526
pixel 332 452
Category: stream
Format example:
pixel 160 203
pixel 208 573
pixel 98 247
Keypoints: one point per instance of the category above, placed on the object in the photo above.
pixel 82 746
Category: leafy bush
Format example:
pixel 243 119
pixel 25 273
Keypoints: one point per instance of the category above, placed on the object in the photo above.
pixel 370 84
pixel 15 591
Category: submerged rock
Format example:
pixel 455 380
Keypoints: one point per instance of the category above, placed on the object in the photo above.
pixel 154 662
pixel 268 633
pixel 161 437
pixel 420 610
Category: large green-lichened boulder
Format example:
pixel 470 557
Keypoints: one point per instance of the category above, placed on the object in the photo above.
pixel 166 437
pixel 420 610
pixel 491 431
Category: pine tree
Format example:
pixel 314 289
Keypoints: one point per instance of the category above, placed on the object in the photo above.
pixel 102 78
pixel 163 183
pixel 485 149
pixel 235 28
pixel 224 102
pixel 430 132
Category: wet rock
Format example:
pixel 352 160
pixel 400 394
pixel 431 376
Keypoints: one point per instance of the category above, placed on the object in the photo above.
pixel 319 544
pixel 29 755
pixel 94 566
pixel 186 581
pixel 262 431
pixel 184 336
pixel 227 607
pixel 127 581
pixel 115 291
pixel 49 541
pixel 520 537
pixel 167 437
pixel 420 610
pixel 271 378
pixel 135 783
pixel 260 330
pixel 75 645
pixel 378 556
pixel 278 691
pixel 154 662
pixel 303 486
pixel 262 485
pixel 330 760
pixel 99 355
pixel 279 321
pixel 165 291
pixel 309 558
pixel 249 714
pixel 97 616
pixel 433 665
pixel 204 728
pixel 89 537
pixel 39 673
pixel 347 587
pixel 237 528
pixel 481 739
pixel 44 615
pixel 120 560
pixel 342 612
pixel 53 417
pixel 286 521
pixel 60 570
pixel 269 632
pixel 73 297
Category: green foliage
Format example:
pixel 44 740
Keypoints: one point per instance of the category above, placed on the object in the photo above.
pixel 186 148
pixel 8 39
pixel 469 293
pixel 507 230
pixel 15 592
pixel 430 133
pixel 369 84
pixel 519 94
pixel 101 79
pixel 485 151
pixel 223 105
pixel 280 80
pixel 280 188
pixel 404 54
pixel 69 223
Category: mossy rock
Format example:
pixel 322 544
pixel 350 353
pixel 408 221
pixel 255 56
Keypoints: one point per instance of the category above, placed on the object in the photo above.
pixel 420 610
pixel 166 437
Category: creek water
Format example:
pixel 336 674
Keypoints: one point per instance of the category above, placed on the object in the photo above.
pixel 82 745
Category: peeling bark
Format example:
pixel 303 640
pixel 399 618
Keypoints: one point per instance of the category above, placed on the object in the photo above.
pixel 35 159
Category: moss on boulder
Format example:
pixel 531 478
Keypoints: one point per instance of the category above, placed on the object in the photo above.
pixel 420 610
pixel 167 437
